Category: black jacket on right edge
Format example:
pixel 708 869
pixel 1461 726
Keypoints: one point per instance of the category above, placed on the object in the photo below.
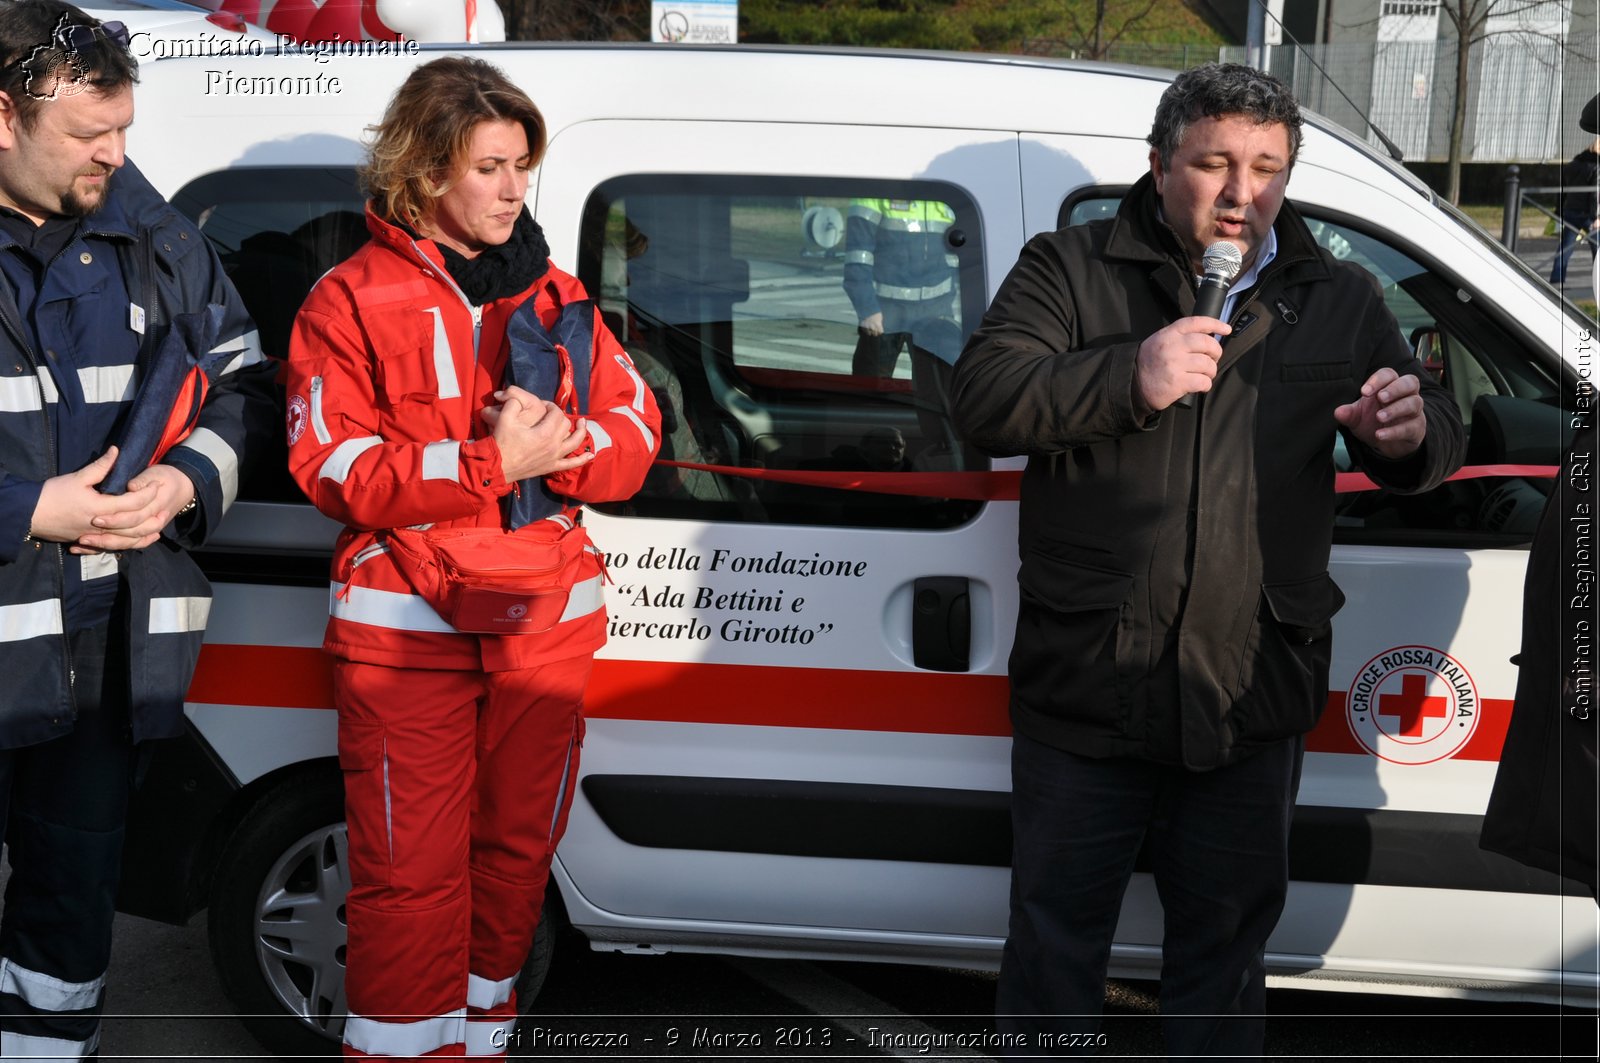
pixel 1176 602
pixel 1542 811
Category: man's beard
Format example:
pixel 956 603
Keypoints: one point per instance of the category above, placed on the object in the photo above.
pixel 75 204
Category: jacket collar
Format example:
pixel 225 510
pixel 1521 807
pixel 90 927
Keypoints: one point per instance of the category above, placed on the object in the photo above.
pixel 112 220
pixel 409 246
pixel 1139 235
pixel 401 240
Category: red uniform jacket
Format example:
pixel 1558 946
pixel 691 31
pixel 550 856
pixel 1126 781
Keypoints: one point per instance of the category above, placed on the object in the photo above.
pixel 388 369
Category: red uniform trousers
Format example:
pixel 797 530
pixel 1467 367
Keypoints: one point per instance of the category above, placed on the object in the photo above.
pixel 457 788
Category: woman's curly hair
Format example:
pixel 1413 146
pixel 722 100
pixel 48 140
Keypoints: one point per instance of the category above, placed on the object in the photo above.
pixel 421 144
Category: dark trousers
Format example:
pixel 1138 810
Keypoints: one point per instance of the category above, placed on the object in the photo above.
pixel 1572 223
pixel 876 355
pixel 1219 841
pixel 64 804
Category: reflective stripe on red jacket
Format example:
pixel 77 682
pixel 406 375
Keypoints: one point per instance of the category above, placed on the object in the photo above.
pixel 389 367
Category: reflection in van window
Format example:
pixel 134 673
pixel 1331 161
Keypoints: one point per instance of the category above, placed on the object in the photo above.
pixel 1508 401
pixel 790 326
pixel 276 229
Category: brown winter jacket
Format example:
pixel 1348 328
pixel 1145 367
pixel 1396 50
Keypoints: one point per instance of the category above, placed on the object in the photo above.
pixel 1176 602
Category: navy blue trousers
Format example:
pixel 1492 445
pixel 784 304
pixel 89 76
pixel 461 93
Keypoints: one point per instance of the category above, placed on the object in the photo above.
pixel 1219 841
pixel 64 804
pixel 1571 224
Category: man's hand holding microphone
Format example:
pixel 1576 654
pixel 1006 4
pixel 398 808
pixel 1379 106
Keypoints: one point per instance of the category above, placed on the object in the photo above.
pixel 1182 358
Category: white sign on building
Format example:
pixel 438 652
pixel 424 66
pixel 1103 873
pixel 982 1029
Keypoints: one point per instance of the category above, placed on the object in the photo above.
pixel 694 21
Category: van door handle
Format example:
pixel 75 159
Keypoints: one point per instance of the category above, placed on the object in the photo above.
pixel 941 623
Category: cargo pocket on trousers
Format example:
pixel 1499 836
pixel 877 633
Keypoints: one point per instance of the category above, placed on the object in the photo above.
pixel 1069 628
pixel 363 758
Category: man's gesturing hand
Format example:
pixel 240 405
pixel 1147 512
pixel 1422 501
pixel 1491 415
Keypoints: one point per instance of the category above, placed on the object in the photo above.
pixel 1179 360
pixel 1389 416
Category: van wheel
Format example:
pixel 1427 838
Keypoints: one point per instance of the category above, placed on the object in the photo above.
pixel 277 920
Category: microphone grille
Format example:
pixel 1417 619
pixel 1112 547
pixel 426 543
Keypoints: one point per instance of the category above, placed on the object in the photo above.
pixel 1222 258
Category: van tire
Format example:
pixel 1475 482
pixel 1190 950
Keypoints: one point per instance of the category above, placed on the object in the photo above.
pixel 288 989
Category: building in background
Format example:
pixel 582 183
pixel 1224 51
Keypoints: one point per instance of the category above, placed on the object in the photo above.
pixel 1531 67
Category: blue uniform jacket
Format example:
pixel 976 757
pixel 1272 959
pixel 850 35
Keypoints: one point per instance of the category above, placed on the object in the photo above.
pixel 175 271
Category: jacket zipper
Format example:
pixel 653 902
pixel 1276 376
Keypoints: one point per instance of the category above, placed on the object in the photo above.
pixel 444 275
pixel 1192 532
pixel 365 554
pixel 319 427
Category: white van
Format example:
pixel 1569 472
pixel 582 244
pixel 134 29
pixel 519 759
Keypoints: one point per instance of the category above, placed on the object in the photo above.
pixel 798 740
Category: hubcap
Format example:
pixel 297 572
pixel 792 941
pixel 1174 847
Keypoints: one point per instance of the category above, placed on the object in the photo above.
pixel 300 929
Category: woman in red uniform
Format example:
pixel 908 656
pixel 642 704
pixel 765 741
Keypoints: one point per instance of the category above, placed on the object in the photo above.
pixel 459 744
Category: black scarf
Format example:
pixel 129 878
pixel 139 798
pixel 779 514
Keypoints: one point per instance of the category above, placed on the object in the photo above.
pixel 504 269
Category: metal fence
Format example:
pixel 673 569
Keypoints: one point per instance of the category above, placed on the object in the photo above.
pixel 1165 56
pixel 1522 92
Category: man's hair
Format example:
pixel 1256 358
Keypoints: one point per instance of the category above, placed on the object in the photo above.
pixel 1219 90
pixel 50 49
pixel 421 144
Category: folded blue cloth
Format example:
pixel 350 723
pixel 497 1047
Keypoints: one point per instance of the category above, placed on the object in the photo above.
pixel 534 365
pixel 187 346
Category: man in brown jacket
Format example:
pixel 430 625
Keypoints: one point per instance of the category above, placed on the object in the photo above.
pixel 1175 630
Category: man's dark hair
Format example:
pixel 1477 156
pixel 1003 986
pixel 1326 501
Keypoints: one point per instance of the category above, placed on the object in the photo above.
pixel 1219 90
pixel 50 48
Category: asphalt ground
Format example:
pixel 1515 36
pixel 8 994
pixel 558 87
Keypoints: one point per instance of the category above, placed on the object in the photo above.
pixel 164 1002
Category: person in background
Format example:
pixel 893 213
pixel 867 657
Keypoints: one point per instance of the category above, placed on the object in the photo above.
pixel 459 747
pixel 1578 208
pixel 102 608
pixel 1175 629
pixel 902 275
pixel 901 280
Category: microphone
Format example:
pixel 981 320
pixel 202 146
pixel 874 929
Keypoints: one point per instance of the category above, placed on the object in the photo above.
pixel 1221 264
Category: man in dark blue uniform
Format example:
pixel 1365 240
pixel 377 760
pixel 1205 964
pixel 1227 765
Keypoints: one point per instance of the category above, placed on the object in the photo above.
pixel 101 610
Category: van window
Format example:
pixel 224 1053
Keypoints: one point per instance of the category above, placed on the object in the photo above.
pixel 742 300
pixel 1509 402
pixel 277 229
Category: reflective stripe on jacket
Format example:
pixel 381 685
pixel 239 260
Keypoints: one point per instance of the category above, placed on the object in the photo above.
pixel 895 249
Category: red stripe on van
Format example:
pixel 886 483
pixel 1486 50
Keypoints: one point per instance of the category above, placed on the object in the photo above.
pixel 284 677
pixel 750 695
pixel 917 702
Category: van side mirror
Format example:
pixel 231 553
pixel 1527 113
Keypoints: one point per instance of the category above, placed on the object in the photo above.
pixel 1429 344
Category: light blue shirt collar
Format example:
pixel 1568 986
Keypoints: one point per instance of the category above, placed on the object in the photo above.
pixel 1247 280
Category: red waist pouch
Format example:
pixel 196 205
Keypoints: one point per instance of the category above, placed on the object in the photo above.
pixel 488 581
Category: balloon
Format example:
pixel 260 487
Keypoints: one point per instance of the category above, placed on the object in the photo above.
pixel 374 20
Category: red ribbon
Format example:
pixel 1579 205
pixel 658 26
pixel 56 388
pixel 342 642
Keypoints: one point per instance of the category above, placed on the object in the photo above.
pixel 1006 486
